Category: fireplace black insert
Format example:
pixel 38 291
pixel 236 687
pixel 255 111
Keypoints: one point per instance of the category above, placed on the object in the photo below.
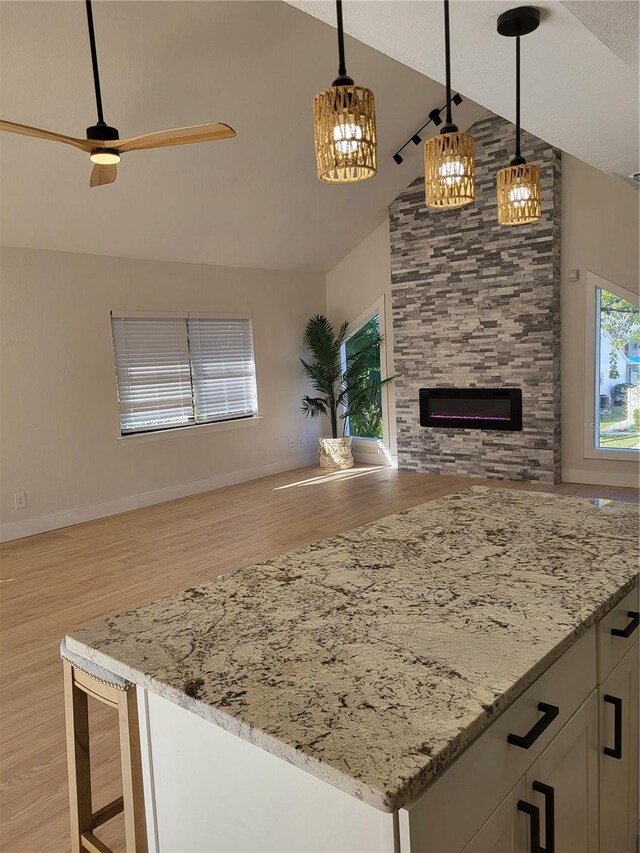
pixel 471 408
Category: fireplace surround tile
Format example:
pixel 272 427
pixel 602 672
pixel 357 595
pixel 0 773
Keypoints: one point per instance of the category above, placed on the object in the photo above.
pixel 477 305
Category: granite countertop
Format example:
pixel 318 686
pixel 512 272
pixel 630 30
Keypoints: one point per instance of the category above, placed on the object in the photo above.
pixel 371 659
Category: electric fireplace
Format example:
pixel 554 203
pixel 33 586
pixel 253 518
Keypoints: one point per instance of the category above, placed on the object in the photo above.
pixel 471 408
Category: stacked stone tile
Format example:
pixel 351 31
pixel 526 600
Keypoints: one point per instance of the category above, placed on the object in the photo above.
pixel 477 305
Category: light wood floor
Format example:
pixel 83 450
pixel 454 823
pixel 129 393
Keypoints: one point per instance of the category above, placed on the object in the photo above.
pixel 58 581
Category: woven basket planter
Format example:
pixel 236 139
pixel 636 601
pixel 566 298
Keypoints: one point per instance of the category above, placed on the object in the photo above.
pixel 335 453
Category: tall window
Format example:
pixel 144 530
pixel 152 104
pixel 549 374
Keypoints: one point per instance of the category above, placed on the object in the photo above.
pixel 617 396
pixel 182 371
pixel 368 422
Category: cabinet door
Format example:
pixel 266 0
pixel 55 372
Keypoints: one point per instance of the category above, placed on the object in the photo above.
pixel 504 832
pixel 619 776
pixel 569 769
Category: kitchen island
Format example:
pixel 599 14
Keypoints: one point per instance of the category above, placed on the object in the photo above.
pixel 347 695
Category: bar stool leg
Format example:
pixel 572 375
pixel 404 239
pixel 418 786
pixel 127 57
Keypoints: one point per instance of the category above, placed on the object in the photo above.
pixel 132 789
pixel 78 759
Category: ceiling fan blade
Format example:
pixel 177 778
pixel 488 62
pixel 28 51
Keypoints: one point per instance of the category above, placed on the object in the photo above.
pixel 101 175
pixel 177 136
pixel 25 130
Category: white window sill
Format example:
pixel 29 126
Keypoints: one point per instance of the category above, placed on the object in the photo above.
pixel 180 432
pixel 629 454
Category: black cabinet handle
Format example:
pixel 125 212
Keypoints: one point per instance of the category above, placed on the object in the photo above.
pixel 631 627
pixel 549 713
pixel 534 824
pixel 616 752
pixel 549 816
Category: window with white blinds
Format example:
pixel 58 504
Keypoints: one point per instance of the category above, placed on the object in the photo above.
pixel 222 369
pixel 182 371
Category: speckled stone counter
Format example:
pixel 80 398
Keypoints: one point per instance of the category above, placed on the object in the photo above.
pixel 373 658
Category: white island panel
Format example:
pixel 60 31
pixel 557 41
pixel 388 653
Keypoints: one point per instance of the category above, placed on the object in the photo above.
pixel 208 791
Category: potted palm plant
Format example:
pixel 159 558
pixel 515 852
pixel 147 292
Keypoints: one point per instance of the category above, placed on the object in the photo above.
pixel 347 388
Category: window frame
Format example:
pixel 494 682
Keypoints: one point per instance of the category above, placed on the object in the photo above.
pixel 365 443
pixel 161 433
pixel 593 282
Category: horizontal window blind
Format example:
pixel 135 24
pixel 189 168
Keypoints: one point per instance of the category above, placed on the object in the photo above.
pixel 180 371
pixel 153 373
pixel 222 368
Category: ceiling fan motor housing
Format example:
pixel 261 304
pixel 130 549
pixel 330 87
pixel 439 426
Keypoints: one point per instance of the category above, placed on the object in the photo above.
pixel 102 132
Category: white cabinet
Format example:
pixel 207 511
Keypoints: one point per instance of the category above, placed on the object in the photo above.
pixel 477 782
pixel 565 780
pixel 504 832
pixel 554 806
pixel 563 785
pixel 618 697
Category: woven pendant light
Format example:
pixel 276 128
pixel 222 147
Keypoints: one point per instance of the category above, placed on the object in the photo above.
pixel 344 126
pixel 518 185
pixel 449 159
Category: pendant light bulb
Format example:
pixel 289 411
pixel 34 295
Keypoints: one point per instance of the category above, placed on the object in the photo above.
pixel 518 185
pixel 449 159
pixel 344 126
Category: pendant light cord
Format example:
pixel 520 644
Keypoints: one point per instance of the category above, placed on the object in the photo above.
pixel 518 154
pixel 94 61
pixel 342 68
pixel 447 55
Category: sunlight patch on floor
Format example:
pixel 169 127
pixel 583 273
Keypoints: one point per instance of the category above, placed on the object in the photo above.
pixel 333 476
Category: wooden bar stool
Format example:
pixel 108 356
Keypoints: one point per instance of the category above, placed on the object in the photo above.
pixel 79 684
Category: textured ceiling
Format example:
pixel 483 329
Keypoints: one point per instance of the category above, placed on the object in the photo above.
pixel 615 23
pixel 253 201
pixel 580 90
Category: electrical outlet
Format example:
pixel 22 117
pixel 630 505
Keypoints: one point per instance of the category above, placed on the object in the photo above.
pixel 300 441
pixel 292 442
pixel 20 500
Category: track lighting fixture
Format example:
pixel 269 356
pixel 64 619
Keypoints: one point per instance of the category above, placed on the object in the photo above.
pixel 449 168
pixel 434 118
pixel 518 185
pixel 344 124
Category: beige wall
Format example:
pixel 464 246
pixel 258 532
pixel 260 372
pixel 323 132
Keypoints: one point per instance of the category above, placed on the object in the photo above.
pixel 353 285
pixel 600 234
pixel 60 433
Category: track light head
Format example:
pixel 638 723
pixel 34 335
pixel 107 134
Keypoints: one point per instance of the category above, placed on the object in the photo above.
pixel 416 139
pixel 457 99
pixel 398 158
pixel 434 116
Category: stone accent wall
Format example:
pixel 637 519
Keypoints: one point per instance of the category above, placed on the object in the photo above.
pixel 476 304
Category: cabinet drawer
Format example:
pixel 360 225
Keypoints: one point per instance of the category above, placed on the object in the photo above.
pixel 612 648
pixel 448 814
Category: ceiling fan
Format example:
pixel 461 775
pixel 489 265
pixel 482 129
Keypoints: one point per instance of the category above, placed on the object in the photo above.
pixel 103 143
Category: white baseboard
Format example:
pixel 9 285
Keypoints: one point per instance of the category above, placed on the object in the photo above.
pixel 367 451
pixel 65 518
pixel 575 475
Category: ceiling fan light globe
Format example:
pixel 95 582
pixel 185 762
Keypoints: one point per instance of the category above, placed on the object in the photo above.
pixel 105 158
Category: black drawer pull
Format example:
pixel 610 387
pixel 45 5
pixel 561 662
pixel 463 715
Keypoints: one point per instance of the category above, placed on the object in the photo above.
pixel 549 816
pixel 631 627
pixel 616 752
pixel 534 824
pixel 549 713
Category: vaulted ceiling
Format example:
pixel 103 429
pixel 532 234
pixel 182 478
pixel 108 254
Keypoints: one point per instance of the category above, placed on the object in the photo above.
pixel 580 68
pixel 253 201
